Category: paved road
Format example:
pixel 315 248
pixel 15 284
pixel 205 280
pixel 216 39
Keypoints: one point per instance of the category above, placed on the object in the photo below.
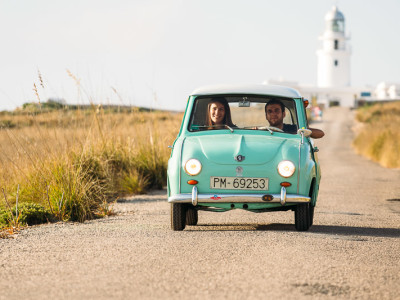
pixel 351 252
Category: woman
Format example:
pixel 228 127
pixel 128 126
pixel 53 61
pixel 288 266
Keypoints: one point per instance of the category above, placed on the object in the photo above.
pixel 219 113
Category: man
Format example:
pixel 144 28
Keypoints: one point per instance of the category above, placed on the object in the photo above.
pixel 275 112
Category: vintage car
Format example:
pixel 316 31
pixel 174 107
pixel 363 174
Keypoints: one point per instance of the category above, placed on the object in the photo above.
pixel 245 163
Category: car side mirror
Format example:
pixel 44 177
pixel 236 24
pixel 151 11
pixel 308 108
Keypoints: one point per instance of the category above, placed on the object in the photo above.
pixel 305 132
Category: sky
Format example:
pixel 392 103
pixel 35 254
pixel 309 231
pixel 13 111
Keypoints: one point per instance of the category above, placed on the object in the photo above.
pixel 154 53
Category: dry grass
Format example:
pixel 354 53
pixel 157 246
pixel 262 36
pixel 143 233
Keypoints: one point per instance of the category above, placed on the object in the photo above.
pixel 379 138
pixel 75 162
pixel 62 162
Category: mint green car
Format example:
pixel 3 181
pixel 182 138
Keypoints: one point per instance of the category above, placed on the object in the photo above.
pixel 246 164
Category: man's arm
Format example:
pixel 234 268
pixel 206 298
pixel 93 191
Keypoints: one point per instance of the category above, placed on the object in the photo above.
pixel 316 133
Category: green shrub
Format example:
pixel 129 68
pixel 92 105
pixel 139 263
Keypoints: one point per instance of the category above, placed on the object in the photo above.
pixel 28 214
pixel 4 218
pixel 33 214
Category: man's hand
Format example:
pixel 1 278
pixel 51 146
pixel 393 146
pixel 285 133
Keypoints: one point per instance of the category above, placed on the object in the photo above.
pixel 316 133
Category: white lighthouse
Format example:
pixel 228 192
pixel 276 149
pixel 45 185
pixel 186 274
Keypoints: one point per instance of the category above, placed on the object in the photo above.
pixel 333 76
pixel 334 56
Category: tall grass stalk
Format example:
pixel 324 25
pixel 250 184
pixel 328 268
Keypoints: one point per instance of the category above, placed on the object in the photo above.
pixel 8 205
pixel 14 219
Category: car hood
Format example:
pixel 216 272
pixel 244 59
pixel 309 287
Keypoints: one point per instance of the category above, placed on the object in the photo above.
pixel 256 149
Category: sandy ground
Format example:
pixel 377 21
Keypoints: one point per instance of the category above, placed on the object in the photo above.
pixel 351 251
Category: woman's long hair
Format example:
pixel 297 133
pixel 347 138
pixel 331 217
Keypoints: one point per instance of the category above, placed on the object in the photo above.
pixel 227 118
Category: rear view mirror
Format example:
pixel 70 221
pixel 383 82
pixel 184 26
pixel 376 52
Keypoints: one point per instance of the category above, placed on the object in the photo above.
pixel 244 102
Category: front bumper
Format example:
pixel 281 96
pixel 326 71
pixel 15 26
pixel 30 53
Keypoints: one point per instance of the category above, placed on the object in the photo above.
pixel 195 198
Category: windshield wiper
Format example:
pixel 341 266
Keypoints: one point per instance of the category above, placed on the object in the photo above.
pixel 271 129
pixel 230 128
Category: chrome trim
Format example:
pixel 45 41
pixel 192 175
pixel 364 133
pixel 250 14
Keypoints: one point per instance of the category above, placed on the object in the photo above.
pixel 283 196
pixel 298 171
pixel 194 195
pixel 180 165
pixel 236 198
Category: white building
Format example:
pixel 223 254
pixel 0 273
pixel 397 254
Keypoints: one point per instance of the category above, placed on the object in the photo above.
pixel 387 91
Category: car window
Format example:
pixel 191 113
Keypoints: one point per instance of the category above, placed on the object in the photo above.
pixel 247 112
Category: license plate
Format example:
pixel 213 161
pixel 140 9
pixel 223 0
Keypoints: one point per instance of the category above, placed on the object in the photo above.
pixel 239 183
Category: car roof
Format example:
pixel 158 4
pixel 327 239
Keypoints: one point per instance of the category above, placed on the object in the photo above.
pixel 256 89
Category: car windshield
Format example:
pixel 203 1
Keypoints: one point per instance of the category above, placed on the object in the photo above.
pixel 243 112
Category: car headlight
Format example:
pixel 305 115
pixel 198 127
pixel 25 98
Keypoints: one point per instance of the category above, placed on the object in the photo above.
pixel 286 168
pixel 192 167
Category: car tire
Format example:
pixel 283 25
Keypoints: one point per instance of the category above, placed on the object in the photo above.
pixel 311 207
pixel 192 215
pixel 178 216
pixel 302 217
pixel 311 214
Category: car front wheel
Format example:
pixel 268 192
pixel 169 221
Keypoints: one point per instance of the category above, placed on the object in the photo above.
pixel 178 216
pixel 311 214
pixel 192 216
pixel 302 217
